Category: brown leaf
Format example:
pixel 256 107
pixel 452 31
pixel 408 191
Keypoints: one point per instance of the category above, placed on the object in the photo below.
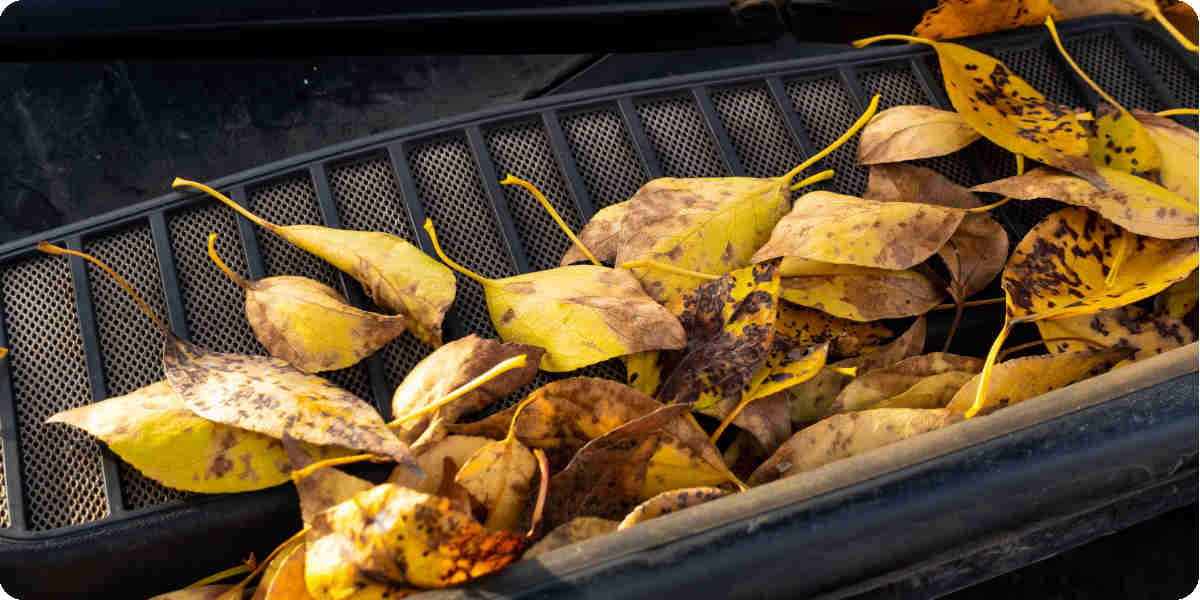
pixel 1020 379
pixel 269 396
pixel 911 132
pixel 798 327
pixel 324 487
pixel 962 18
pixel 431 457
pixel 834 228
pixel 858 293
pixel 845 435
pixel 601 235
pixel 573 531
pixel 669 502
pixel 1127 326
pixel 878 385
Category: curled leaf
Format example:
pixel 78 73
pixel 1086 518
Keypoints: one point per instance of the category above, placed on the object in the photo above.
pixel 857 293
pixel 911 132
pixel 1178 148
pixel 845 435
pixel 430 459
pixel 1020 379
pixel 961 18
pixel 669 502
pixel 1127 326
pixel 324 487
pixel 287 582
pixel 931 372
pixel 601 235
pixel 1132 202
pixel 499 476
pixel 834 228
pixel 573 531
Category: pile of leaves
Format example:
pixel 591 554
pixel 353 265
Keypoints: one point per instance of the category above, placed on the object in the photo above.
pixel 758 330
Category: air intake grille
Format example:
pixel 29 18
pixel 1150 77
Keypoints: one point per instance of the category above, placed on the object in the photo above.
pixel 826 111
pixel 759 134
pixel 1100 56
pixel 680 138
pixel 1180 82
pixel 609 166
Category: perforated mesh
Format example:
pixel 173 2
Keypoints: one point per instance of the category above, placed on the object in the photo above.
pixel 523 150
pixel 826 112
pixel 60 465
pixel 368 199
pixel 293 201
pixel 757 131
pixel 605 157
pixel 1102 58
pixel 1181 82
pixel 680 138
pixel 130 343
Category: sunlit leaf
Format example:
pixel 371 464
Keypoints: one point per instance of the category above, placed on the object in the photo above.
pixel 431 457
pixel 287 582
pixel 499 475
pixel 1146 9
pixel 643 371
pixel 1128 326
pixel 1122 143
pixel 857 293
pixel 911 132
pixel 915 382
pixel 1177 145
pixel 1020 379
pixel 601 235
pixel 669 502
pixel 961 18
pixel 763 409
pixel 324 487
pixel 575 530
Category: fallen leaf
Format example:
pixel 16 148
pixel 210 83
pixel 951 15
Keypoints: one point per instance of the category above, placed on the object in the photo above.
pixel 1177 145
pixel 324 487
pixel 397 536
pixel 961 18
pixel 499 475
pixel 744 454
pixel 1123 144
pixel 601 235
pixel 834 228
pixel 975 254
pixel 879 385
pixel 798 327
pixel 1180 298
pixel 308 323
pixel 287 582
pixel 1060 268
pixel 430 459
pixel 272 568
pixel 845 435
pixel 1183 18
pixel 1007 110
pixel 270 396
pixel 580 314
pixel 643 371
pixel 762 409
pixel 394 273
pixel 857 293
pixel 206 592
pixel 1128 326
pixel 813 400
pixel 1020 379
pixel 450 367
pixel 669 502
pixel 573 531
pixel 935 391
pixel 152 430
pixel 911 132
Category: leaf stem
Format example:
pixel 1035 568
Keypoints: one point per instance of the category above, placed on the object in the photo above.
pixel 446 259
pixel 1124 247
pixel 891 36
pixel 848 371
pixel 818 178
pixel 1175 33
pixel 300 474
pixel 532 189
pixel 266 561
pixel 241 210
pixel 212 254
pixel 971 303
pixel 653 264
pixel 1019 347
pixel 515 362
pixel 1177 112
pixel 49 248
pixel 544 470
pixel 986 373
pixel 1006 199
pixel 512 426
pixel 859 124
pixel 958 313
pixel 759 392
pixel 724 469
pixel 1058 42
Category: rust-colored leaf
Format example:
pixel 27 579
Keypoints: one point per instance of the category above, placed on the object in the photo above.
pixel 669 502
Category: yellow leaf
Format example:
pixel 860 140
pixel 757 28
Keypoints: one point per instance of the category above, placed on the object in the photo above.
pixel 845 435
pixel 934 391
pixel 1007 110
pixel 152 430
pixel 669 502
pixel 287 582
pixel 797 326
pixel 499 476
pixel 911 132
pixel 879 385
pixel 1131 326
pixel 762 409
pixel 1123 144
pixel 857 293
pixel 573 531
pixel 1146 9
pixel 393 535
pixel 835 228
pixel 1020 379
pixel 580 314
pixel 457 448
pixel 394 273
pixel 1181 298
pixel 1062 268
pixel 961 18
pixel 601 235
pixel 1178 147
pixel 643 371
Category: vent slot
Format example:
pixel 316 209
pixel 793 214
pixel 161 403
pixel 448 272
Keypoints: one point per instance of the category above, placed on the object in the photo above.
pixel 756 130
pixel 680 138
pixel 606 158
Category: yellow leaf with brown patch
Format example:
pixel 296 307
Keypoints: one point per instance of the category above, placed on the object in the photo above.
pixel 601 235
pixel 894 384
pixel 912 132
pixel 1179 299
pixel 573 531
pixel 762 408
pixel 857 293
pixel 152 430
pixel 798 326
pixel 323 487
pixel 669 502
pixel 1128 326
pixel 835 228
pixel 431 457
pixel 1020 379
pixel 1178 148
pixel 962 18
pixel 499 475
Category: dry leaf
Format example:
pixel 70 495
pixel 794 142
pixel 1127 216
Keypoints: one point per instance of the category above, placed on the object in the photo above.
pixel 287 582
pixel 269 396
pixel 834 228
pixel 601 235
pixel 449 368
pixel 394 273
pixel 1131 202
pixel 857 293
pixel 643 370
pixel 1074 9
pixel 1123 144
pixel 911 132
pixel 1127 326
pixel 1060 267
pixel 397 536
pixel 813 399
pixel 1179 299
pixel 762 408
pixel 308 323
pixel 669 502
pixel 1177 145
pixel 430 459
pixel 152 430
pixel 573 531
pixel 499 475
pixel 798 327
pixel 206 592
pixel 886 383
pixel 961 18
pixel 1020 379
pixel 845 435
pixel 324 487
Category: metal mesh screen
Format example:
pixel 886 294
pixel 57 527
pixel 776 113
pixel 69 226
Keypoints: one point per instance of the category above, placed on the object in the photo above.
pixel 60 465
pixel 523 150
pixel 368 199
pixel 756 130
pixel 293 201
pixel 1180 82
pixel 606 159
pixel 1103 59
pixel 130 343
pixel 680 138
pixel 826 111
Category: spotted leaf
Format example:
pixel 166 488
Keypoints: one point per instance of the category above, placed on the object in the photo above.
pixel 1128 326
pixel 1020 379
pixel 961 18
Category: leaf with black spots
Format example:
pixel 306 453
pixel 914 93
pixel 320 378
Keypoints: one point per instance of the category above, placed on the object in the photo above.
pixel 669 502
pixel 1020 379
pixel 1180 153
pixel 1128 326
pixel 962 18
pixel 857 293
